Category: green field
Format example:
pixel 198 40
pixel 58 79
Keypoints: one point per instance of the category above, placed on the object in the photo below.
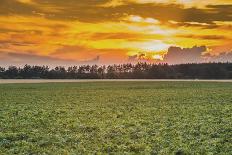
pixel 116 117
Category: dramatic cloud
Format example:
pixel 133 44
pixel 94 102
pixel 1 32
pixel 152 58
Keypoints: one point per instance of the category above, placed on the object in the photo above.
pixel 20 59
pixel 178 55
pixel 222 57
pixel 94 11
pixel 149 57
pixel 114 31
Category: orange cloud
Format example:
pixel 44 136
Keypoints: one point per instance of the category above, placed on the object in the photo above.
pixel 114 30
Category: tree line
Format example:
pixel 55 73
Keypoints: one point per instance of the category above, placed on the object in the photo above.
pixel 122 71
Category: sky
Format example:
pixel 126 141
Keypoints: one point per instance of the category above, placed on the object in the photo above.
pixel 76 32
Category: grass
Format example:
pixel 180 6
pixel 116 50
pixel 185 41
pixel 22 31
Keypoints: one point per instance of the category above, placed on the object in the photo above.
pixel 116 117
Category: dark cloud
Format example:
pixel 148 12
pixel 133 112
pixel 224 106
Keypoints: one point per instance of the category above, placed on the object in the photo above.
pixel 102 36
pixel 204 37
pixel 144 57
pixel 194 24
pixel 74 51
pixel 6 44
pixel 222 57
pixel 7 30
pixel 20 59
pixel 79 49
pixel 9 7
pixel 177 55
pixel 92 11
pixel 132 58
pixel 137 57
pixel 83 10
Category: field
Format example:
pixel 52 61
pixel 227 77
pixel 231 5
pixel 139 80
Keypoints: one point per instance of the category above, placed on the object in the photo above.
pixel 116 117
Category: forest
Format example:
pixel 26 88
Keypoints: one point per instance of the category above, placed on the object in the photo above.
pixel 122 71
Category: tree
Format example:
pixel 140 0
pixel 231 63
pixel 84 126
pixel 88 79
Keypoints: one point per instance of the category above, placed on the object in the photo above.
pixel 123 71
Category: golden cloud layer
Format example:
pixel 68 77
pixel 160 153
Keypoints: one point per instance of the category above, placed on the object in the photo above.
pixel 112 31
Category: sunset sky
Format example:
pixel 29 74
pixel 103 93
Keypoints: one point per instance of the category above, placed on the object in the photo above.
pixel 73 32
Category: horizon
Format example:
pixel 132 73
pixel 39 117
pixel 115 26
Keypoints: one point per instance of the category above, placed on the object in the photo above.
pixel 86 32
pixel 21 66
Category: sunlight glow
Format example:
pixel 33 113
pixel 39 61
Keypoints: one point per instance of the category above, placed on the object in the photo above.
pixel 111 30
pixel 157 57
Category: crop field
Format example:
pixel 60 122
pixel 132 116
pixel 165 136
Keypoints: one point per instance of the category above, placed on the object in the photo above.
pixel 116 118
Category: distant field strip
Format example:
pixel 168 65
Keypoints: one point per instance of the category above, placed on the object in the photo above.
pixel 116 117
pixel 101 80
